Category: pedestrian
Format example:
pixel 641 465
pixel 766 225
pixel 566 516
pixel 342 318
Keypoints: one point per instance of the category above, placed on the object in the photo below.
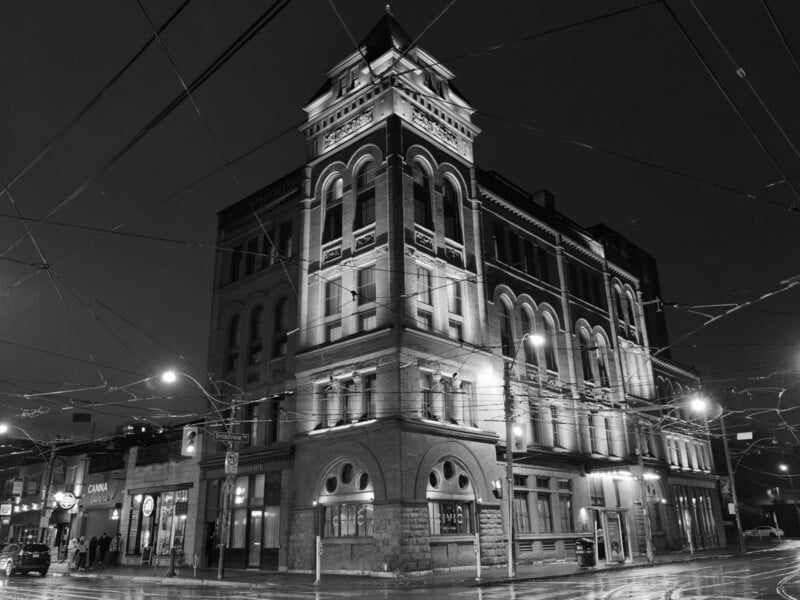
pixel 81 566
pixel 72 550
pixel 93 551
pixel 114 548
pixel 102 548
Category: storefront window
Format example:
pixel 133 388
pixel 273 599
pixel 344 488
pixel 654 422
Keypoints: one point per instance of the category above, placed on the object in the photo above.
pixel 450 517
pixel 348 520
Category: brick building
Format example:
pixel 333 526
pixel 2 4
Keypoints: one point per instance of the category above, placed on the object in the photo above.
pixel 365 313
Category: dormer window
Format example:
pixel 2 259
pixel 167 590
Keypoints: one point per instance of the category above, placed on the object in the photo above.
pixel 348 81
pixel 435 83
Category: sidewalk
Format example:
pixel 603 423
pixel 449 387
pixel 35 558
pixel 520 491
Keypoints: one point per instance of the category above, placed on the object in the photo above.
pixel 254 579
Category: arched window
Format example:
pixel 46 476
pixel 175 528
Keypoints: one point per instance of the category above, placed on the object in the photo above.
pixel 451 207
pixel 422 196
pixel 232 344
pixel 280 336
pixel 333 210
pixel 601 359
pixel 619 308
pixel 450 499
pixel 365 194
pixel 346 499
pixel 506 330
pixel 586 357
pixel 254 337
pixel 632 318
pixel 531 356
pixel 550 344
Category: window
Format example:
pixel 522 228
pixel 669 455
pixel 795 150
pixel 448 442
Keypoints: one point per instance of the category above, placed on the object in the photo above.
pixel 424 320
pixel 596 494
pixel 545 513
pixel 455 329
pixel 506 336
pixel 333 331
pixel 536 419
pixel 543 482
pixel 555 426
pixel 365 195
pixel 232 357
pixel 366 285
pixel 367 321
pixel 586 360
pixel 619 308
pixel 499 234
pixel 422 196
pixel 254 343
pixel 426 384
pixel 449 517
pixel 594 423
pixel 634 332
pixel 281 337
pixel 346 401
pixel 236 264
pixel 550 344
pixel 566 521
pixel 454 297
pixel 333 210
pixel 451 208
pixel 285 248
pixel 527 328
pixel 601 360
pixel 348 520
pixel 368 395
pixel 333 297
pixel 268 249
pixel 250 258
pixel 424 287
pixel 522 520
pixel 609 436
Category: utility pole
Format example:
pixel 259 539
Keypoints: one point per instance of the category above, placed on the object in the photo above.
pixel 231 469
pixel 509 414
pixel 46 491
pixel 732 476
pixel 648 533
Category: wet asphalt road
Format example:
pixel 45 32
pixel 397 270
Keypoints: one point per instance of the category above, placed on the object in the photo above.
pixel 769 574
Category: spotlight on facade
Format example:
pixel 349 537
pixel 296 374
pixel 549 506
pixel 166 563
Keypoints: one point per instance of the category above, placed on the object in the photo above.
pixel 497 488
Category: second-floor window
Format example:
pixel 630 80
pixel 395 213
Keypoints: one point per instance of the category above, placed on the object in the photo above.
pixel 366 285
pixel 365 195
pixel 333 211
pixel 422 196
pixel 451 208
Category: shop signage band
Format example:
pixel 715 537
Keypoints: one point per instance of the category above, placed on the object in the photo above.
pixel 224 436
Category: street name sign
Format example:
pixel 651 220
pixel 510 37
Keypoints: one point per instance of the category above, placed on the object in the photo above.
pixel 224 436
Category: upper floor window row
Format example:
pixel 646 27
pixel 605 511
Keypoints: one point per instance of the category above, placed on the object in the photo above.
pixel 364 208
pixel 524 254
pixel 627 314
pixel 586 284
pixel 546 332
pixel 255 335
pixel 261 251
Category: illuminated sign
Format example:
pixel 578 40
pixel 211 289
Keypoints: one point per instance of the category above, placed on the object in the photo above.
pixel 67 500
pixel 5 510
pixel 148 505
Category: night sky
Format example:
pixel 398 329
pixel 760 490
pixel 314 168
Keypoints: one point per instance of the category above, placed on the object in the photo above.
pixel 670 167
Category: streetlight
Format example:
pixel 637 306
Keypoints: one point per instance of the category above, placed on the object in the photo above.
pixel 536 340
pixel 231 463
pixel 790 477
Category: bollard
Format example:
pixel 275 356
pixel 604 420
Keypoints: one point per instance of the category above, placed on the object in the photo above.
pixel 171 572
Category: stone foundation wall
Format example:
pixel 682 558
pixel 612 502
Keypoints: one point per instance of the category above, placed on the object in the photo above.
pixel 415 531
pixel 493 549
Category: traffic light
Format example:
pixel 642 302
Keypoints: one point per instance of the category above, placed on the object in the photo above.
pixel 189 442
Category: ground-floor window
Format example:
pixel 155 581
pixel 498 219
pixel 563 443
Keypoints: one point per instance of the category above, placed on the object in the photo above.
pixel 448 517
pixel 157 521
pixel 348 520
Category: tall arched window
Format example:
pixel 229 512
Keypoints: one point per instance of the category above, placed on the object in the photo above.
pixel 619 308
pixel 333 210
pixel 451 207
pixel 506 330
pixel 422 196
pixel 365 194
pixel 601 359
pixel 584 342
pixel 280 336
pixel 550 343
pixel 531 356
pixel 232 344
pixel 254 337
pixel 632 316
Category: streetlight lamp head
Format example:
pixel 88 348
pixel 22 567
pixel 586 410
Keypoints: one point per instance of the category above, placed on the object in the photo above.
pixel 3 428
pixel 536 339
pixel 783 468
pixel 517 430
pixel 169 377
pixel 698 404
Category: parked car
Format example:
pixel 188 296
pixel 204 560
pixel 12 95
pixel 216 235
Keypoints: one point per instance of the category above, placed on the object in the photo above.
pixel 764 531
pixel 22 558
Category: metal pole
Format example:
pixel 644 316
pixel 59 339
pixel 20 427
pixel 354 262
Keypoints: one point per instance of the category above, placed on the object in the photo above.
pixel 230 480
pixel 732 476
pixel 46 493
pixel 477 538
pixel 648 534
pixel 509 469
pixel 317 545
pixel 794 498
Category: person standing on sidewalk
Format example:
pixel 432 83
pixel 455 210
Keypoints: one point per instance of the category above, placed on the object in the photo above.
pixel 81 553
pixel 102 548
pixel 93 551
pixel 114 547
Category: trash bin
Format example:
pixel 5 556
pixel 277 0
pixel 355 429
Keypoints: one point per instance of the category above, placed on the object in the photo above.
pixel 584 552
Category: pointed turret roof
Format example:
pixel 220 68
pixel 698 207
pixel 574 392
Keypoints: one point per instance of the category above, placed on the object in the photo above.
pixel 385 35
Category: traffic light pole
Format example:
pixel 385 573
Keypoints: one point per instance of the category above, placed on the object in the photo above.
pixel 509 399
pixel 732 476
pixel 227 492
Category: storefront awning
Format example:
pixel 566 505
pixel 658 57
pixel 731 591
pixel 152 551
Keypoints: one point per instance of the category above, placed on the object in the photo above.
pixel 161 488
